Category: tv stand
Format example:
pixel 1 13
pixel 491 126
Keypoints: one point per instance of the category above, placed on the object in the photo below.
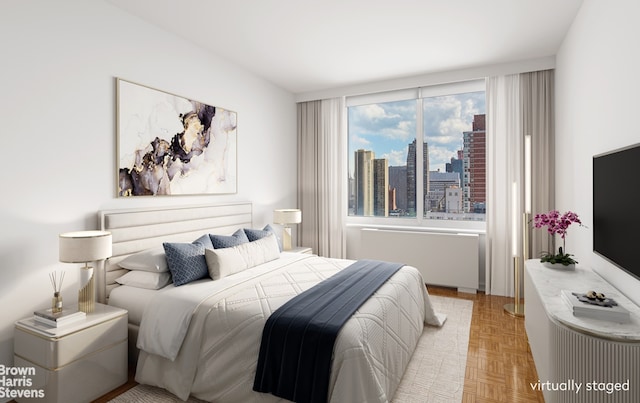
pixel 592 360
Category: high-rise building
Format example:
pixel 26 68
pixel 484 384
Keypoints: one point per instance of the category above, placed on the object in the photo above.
pixel 456 165
pixel 392 200
pixel 398 183
pixel 438 183
pixel 381 187
pixel 474 165
pixel 412 175
pixel 363 177
pixel 352 195
pixel 453 200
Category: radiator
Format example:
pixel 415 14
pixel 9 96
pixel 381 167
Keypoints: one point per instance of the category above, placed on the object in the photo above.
pixel 446 259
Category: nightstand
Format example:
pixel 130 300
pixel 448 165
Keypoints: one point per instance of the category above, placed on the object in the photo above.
pixel 301 249
pixel 78 362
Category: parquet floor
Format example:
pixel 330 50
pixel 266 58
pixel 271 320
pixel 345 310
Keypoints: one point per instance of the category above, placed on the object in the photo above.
pixel 499 362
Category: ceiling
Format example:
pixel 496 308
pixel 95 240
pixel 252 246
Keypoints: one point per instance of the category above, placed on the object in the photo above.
pixel 312 45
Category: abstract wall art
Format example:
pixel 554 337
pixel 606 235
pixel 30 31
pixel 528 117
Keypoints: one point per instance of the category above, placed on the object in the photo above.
pixel 171 145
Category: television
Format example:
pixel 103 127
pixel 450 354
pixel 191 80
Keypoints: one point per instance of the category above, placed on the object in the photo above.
pixel 616 208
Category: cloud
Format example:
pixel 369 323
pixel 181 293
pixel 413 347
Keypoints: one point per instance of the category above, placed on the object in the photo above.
pixel 445 119
pixel 453 140
pixel 391 120
pixel 438 157
pixel 358 142
pixel 451 115
pixel 372 112
pixel 396 157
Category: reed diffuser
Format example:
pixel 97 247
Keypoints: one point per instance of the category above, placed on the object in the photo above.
pixel 56 301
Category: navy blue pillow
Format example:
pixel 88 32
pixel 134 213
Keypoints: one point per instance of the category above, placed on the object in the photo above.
pixel 255 234
pixel 186 262
pixel 205 240
pixel 227 241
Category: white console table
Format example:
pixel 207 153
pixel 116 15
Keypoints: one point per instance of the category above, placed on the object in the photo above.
pixel 571 351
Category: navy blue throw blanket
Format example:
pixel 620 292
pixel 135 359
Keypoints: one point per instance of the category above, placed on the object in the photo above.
pixel 298 338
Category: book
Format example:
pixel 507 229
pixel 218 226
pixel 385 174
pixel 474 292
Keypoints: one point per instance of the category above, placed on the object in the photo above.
pixel 65 317
pixel 51 323
pixel 609 310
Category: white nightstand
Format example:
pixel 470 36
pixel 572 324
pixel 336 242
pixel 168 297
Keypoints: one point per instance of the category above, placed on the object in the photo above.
pixel 301 249
pixel 75 363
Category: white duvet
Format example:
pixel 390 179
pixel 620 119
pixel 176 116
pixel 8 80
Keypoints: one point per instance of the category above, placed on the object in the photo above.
pixel 203 339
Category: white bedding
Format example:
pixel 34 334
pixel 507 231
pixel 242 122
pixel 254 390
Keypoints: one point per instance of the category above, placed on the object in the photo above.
pixel 133 299
pixel 221 323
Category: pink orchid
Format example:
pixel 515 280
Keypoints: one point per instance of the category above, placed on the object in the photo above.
pixel 557 224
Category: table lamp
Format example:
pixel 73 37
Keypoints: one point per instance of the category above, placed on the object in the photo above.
pixel 286 217
pixel 85 247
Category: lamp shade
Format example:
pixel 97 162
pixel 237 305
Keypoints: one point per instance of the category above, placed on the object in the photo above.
pixel 84 246
pixel 287 216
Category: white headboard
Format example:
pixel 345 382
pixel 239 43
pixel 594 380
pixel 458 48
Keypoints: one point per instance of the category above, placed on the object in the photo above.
pixel 135 230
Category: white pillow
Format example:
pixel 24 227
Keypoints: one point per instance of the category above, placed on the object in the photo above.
pixel 153 260
pixel 227 261
pixel 145 279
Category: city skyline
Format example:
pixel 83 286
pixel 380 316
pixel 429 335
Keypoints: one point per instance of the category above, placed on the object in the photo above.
pixel 459 189
pixel 388 128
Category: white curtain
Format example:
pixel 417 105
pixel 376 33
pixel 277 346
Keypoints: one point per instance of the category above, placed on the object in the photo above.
pixel 517 105
pixel 504 183
pixel 538 106
pixel 321 176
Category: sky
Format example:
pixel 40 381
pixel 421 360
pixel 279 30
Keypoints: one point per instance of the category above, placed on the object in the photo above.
pixel 388 128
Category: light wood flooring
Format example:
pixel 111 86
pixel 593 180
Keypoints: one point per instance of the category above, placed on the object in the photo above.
pixel 499 362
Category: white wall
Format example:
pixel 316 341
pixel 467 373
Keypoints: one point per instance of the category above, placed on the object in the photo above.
pixel 57 113
pixel 597 109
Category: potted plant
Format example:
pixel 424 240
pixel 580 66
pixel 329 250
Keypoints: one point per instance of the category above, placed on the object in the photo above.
pixel 557 224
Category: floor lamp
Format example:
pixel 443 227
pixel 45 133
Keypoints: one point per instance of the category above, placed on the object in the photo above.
pixel 517 308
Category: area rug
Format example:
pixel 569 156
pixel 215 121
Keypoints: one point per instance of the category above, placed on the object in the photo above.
pixel 435 373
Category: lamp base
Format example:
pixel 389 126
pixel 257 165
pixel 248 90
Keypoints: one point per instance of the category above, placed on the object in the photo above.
pixel 514 309
pixel 286 238
pixel 87 295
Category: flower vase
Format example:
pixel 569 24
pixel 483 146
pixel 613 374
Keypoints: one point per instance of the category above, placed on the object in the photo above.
pixel 560 266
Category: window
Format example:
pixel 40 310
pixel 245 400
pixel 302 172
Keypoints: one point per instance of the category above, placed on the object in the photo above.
pixel 386 157
pixel 380 138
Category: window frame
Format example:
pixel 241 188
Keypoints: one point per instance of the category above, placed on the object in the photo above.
pixel 418 94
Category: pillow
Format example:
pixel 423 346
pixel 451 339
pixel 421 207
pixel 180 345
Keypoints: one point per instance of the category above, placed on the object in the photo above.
pixel 145 279
pixel 227 261
pixel 205 240
pixel 186 262
pixel 152 260
pixel 255 234
pixel 228 241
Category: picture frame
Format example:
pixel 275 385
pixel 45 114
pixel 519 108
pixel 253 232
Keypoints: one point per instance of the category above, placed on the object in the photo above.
pixel 172 145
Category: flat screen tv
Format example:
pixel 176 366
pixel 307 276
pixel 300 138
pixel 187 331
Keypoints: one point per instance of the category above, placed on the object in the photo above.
pixel 616 208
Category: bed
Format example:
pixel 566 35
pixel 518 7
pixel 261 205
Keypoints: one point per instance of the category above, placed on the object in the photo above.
pixel 202 339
